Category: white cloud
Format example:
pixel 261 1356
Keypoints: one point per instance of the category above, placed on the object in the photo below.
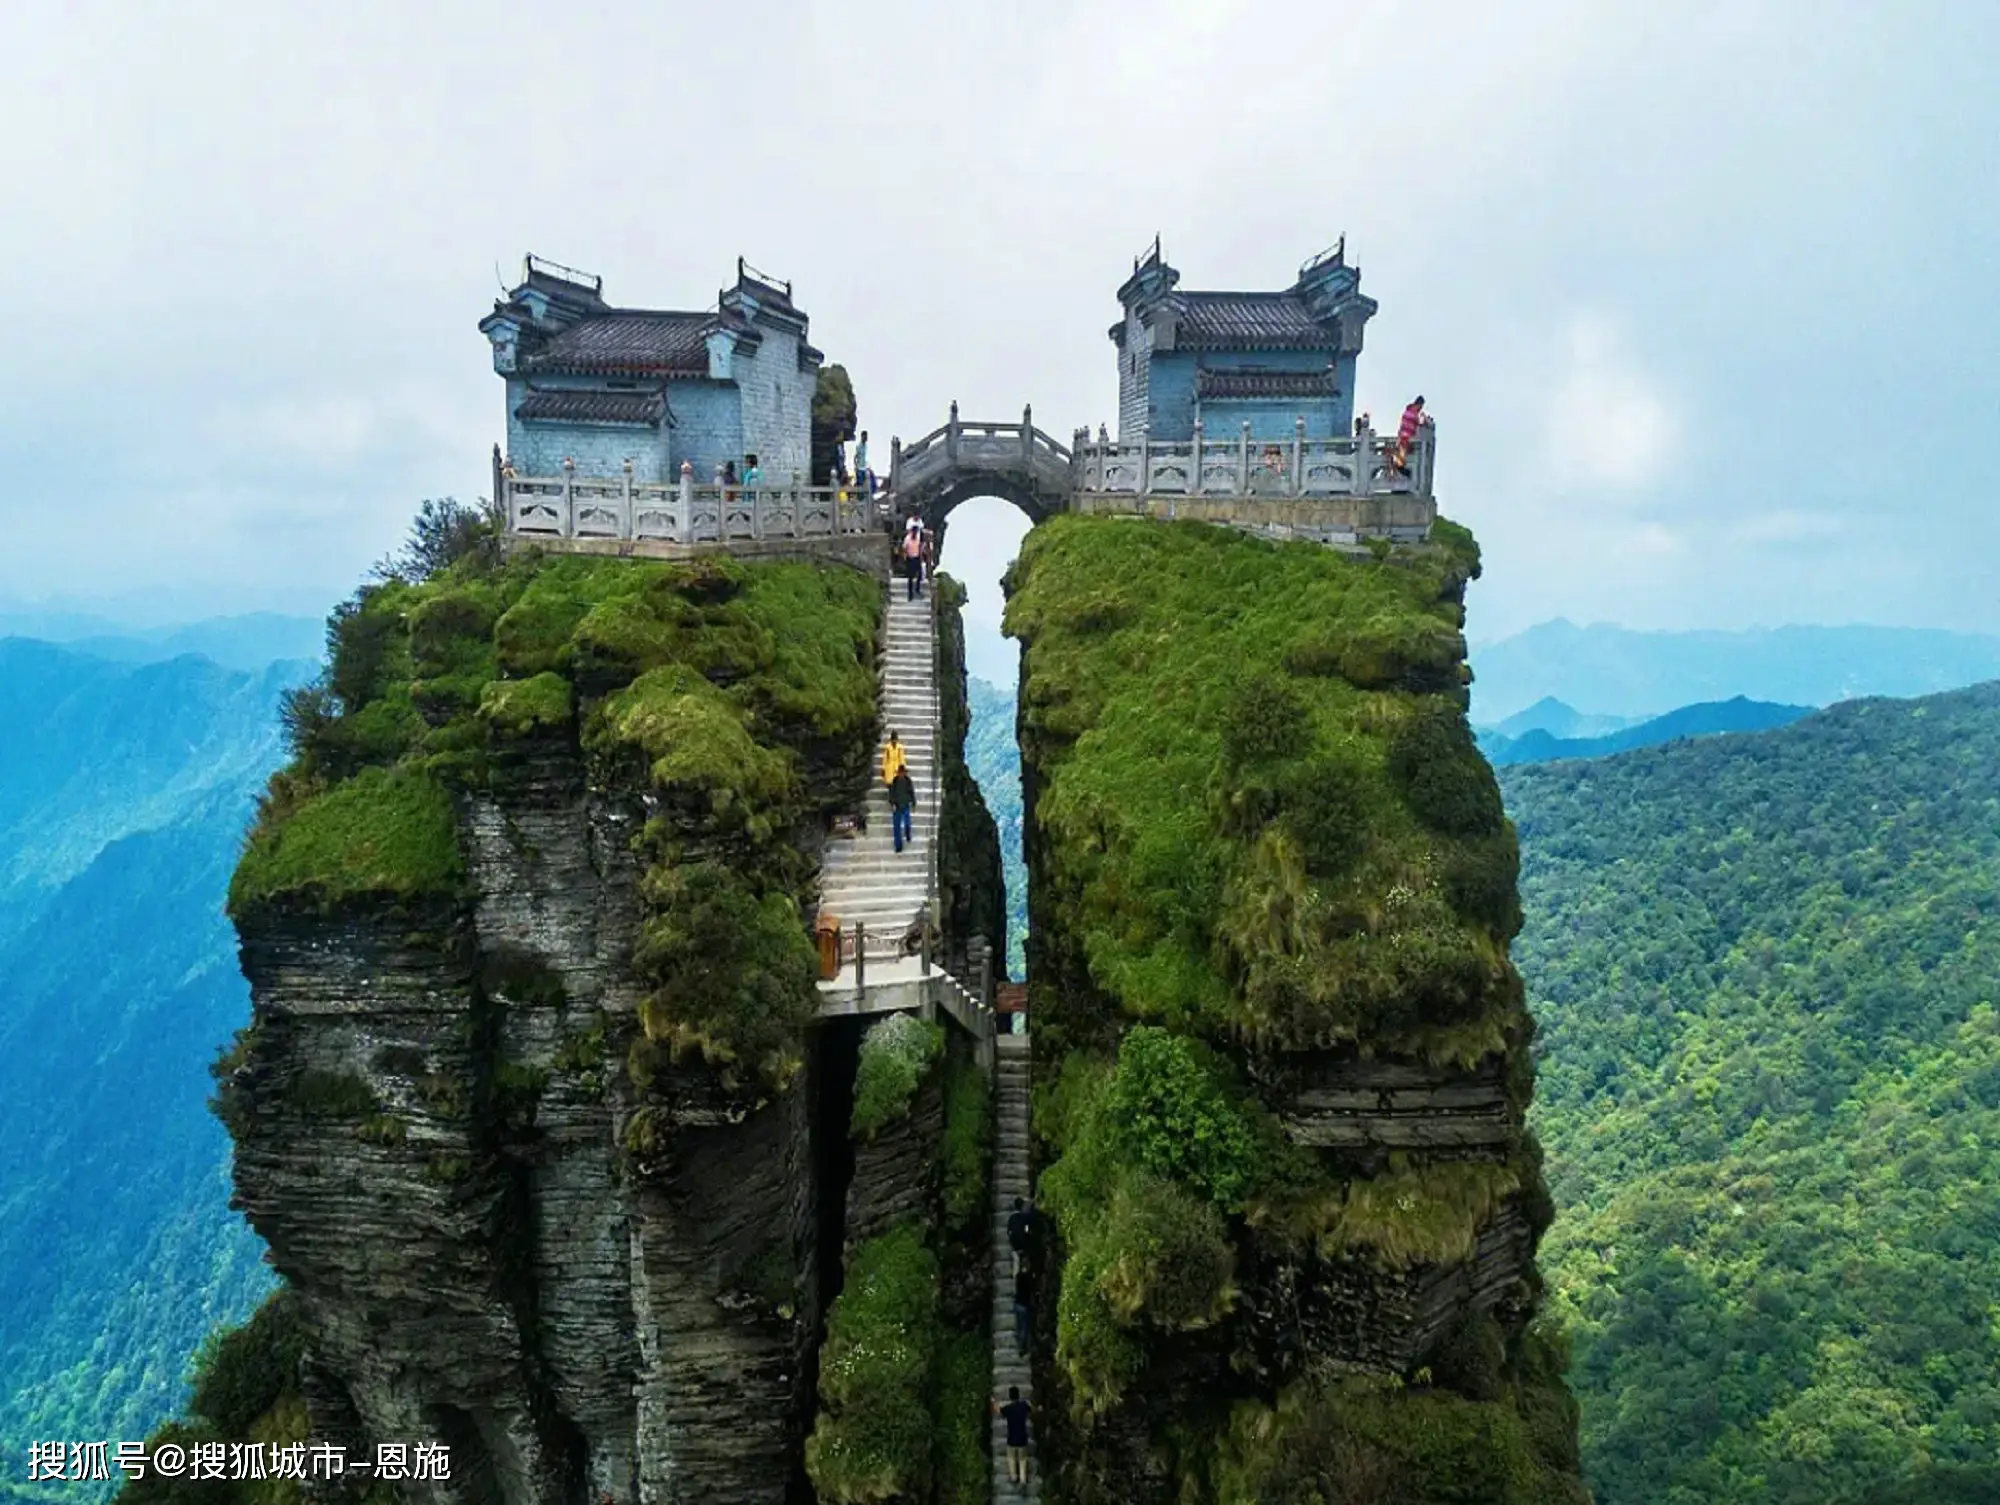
pixel 1608 425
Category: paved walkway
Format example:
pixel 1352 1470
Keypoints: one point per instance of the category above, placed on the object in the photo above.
pixel 1010 1180
pixel 863 879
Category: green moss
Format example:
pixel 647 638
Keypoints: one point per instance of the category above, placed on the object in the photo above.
pixel 968 1143
pixel 524 707
pixel 1343 877
pixel 964 1375
pixel 697 747
pixel 1364 1440
pixel 581 1052
pixel 1410 1214
pixel 517 1090
pixel 447 1170
pixel 443 1095
pixel 384 833
pixel 331 1094
pixel 875 1438
pixel 383 1129
pixel 897 1053
pixel 736 972
pixel 709 683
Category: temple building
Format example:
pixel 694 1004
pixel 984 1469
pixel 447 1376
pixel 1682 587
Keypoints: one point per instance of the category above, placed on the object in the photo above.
pixel 599 386
pixel 1225 359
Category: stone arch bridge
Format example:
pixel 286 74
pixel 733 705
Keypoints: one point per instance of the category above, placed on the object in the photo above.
pixel 959 460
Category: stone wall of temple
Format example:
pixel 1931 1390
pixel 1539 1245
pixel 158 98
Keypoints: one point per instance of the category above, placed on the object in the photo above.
pixel 1134 381
pixel 708 427
pixel 777 405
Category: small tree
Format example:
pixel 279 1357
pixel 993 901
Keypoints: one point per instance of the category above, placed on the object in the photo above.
pixel 444 531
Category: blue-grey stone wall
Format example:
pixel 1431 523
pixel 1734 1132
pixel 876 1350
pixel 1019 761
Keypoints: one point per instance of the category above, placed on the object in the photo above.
pixel 1134 378
pixel 777 405
pixel 599 449
pixel 1172 398
pixel 708 426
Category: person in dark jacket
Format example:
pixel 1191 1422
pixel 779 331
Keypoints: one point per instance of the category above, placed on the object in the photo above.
pixel 1021 1233
pixel 902 805
pixel 1015 1414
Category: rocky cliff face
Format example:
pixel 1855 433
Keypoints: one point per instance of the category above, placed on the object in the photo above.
pixel 1284 1053
pixel 542 1198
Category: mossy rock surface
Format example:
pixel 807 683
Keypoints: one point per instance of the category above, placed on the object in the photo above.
pixel 741 697
pixel 385 833
pixel 1262 812
pixel 1262 833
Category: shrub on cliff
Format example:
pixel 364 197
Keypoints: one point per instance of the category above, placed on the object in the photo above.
pixel 244 1389
pixel 875 1438
pixel 896 1055
pixel 732 970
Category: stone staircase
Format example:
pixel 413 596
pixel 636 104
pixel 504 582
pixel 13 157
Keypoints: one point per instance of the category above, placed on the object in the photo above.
pixel 1010 1180
pixel 863 879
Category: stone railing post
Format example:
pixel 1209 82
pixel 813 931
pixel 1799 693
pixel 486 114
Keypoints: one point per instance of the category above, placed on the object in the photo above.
pixel 895 460
pixel 1299 455
pixel 951 436
pixel 687 500
pixel 1195 489
pixel 1364 460
pixel 1028 435
pixel 625 512
pixel 569 497
pixel 1145 467
pixel 860 961
pixel 1427 462
pixel 502 503
pixel 1078 461
pixel 1243 462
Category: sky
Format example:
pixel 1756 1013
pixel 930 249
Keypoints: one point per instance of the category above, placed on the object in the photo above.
pixel 1702 295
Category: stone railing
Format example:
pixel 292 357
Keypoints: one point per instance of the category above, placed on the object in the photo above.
pixel 1362 465
pixel 571 506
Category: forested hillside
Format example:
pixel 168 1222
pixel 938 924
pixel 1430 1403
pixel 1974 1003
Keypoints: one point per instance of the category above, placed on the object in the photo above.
pixel 122 807
pixel 1766 970
pixel 995 761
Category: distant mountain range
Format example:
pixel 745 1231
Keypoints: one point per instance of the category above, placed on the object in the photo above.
pixel 1542 744
pixel 241 642
pixel 1615 671
pixel 125 789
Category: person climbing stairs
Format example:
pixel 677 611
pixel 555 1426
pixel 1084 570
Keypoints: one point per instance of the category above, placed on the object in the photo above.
pixel 864 879
pixel 1010 1181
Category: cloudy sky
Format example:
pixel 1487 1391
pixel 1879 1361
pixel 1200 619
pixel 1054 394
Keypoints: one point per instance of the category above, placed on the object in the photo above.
pixel 1703 295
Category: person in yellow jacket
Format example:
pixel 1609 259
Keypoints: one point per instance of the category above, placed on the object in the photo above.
pixel 893 760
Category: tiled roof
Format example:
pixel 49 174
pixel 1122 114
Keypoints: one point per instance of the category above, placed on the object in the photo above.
pixel 1212 384
pixel 594 407
pixel 631 341
pixel 1240 321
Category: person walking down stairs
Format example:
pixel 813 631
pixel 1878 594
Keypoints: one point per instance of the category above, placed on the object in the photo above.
pixel 902 805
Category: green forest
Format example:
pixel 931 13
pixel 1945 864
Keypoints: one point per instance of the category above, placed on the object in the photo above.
pixel 1765 970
